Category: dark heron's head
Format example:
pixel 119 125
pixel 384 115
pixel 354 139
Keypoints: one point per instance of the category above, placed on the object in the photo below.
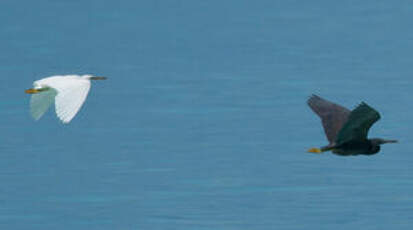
pixel 375 145
pixel 380 141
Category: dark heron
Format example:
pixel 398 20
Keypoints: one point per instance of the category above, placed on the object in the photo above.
pixel 347 130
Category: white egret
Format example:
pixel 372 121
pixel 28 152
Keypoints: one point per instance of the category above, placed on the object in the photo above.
pixel 69 92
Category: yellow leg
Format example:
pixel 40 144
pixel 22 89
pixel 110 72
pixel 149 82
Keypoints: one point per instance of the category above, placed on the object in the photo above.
pixel 32 91
pixel 314 150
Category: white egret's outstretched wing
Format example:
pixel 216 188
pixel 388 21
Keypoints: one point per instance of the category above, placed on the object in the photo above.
pixel 71 94
pixel 40 102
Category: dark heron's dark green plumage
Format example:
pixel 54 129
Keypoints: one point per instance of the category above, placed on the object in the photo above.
pixel 347 130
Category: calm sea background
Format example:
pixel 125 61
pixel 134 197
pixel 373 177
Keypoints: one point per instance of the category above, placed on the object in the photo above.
pixel 203 122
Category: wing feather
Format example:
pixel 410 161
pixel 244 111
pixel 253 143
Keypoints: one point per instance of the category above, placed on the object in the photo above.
pixel 358 124
pixel 40 102
pixel 70 98
pixel 332 116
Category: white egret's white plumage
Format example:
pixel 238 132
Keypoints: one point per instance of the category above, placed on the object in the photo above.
pixel 69 92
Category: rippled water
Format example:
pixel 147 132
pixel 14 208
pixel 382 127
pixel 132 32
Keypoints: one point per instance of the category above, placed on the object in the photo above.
pixel 203 122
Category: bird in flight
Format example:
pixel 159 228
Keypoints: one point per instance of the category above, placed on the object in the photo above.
pixel 346 130
pixel 69 92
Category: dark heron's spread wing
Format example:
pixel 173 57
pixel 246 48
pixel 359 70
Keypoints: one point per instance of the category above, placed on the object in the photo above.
pixel 333 116
pixel 358 124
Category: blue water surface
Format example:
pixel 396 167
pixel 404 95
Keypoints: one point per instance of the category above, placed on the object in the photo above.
pixel 202 123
